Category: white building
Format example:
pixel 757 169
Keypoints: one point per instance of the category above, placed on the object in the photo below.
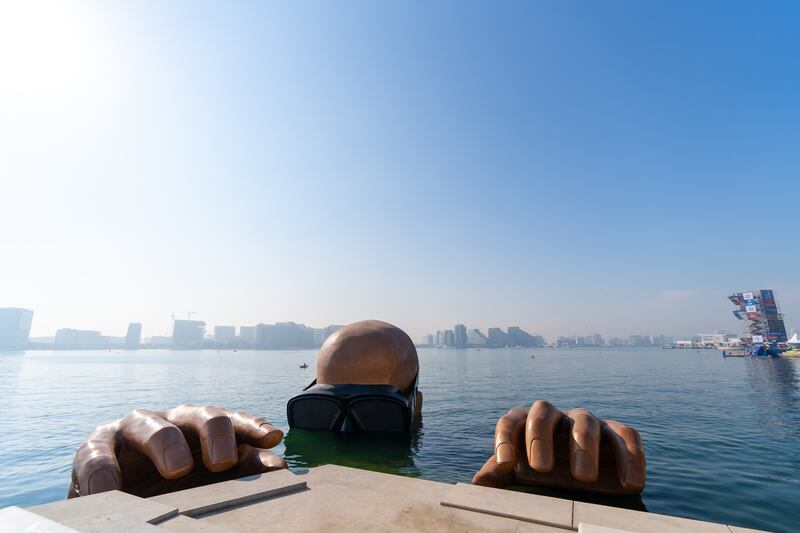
pixel 224 334
pixel 711 339
pixel 15 327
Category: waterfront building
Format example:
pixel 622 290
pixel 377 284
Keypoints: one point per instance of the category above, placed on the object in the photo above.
pixel 663 340
pixel 15 327
pixel 247 335
pixel 710 339
pixel 567 341
pixel 640 340
pixel 460 336
pixel 134 336
pixel 449 337
pixel 284 335
pixel 160 340
pixel 759 310
pixel 429 340
pixel 224 334
pixel 497 338
pixel 477 339
pixel 519 337
pixel 188 333
pixel 439 338
pixel 320 335
pixel 79 338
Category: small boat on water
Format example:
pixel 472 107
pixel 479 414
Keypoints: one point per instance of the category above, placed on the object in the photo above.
pixel 304 365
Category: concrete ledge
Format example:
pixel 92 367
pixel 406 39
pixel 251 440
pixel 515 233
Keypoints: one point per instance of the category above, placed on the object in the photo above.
pixel 17 519
pixel 335 498
pixel 234 493
pixel 591 528
pixel 638 521
pixel 184 524
pixel 509 504
pixel 109 503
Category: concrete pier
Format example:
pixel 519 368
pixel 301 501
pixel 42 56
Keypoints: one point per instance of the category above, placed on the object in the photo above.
pixel 334 498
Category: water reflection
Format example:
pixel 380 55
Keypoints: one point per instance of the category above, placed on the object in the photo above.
pixel 774 389
pixel 381 452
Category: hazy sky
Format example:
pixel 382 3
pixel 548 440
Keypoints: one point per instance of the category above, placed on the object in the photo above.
pixel 567 167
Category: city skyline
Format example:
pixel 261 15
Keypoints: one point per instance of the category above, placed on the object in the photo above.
pixel 567 168
pixel 139 331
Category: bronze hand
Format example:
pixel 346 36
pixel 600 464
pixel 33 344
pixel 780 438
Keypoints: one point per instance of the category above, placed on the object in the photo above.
pixel 153 452
pixel 572 450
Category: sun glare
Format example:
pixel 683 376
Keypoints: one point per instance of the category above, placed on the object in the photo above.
pixel 44 54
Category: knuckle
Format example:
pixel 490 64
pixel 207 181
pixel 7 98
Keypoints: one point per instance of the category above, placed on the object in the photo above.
pixel 542 405
pixel 631 435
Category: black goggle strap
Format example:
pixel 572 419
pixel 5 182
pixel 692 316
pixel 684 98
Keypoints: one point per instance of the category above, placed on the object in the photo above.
pixel 310 385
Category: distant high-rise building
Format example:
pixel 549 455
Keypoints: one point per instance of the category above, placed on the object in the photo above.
pixel 79 338
pixel 320 335
pixel 134 337
pixel 429 340
pixel 497 338
pixel 449 337
pixel 460 336
pixel 224 334
pixel 598 340
pixel 663 340
pixel 566 341
pixel 188 333
pixel 476 338
pixel 519 337
pixel 247 335
pixel 439 338
pixel 15 327
pixel 284 335
pixel 640 340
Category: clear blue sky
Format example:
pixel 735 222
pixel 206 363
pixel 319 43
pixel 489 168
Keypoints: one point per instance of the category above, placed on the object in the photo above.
pixel 568 167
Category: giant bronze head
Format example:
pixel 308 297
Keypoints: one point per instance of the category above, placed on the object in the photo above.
pixel 366 381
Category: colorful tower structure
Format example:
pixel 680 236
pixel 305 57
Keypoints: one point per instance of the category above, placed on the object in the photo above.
pixel 759 310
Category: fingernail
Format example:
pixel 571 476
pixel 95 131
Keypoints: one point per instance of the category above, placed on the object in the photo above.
pixel 505 453
pixel 102 481
pixel 223 449
pixel 271 436
pixel 633 476
pixel 538 456
pixel 584 469
pixel 271 461
pixel 177 459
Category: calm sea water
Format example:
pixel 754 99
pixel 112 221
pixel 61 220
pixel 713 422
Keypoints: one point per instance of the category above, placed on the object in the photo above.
pixel 721 435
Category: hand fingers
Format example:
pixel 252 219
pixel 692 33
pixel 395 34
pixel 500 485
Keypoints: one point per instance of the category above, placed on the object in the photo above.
pixel 214 430
pixel 253 430
pixel 629 452
pixel 539 428
pixel 584 445
pixel 159 440
pixel 493 475
pixel 507 438
pixel 95 468
pixel 254 460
